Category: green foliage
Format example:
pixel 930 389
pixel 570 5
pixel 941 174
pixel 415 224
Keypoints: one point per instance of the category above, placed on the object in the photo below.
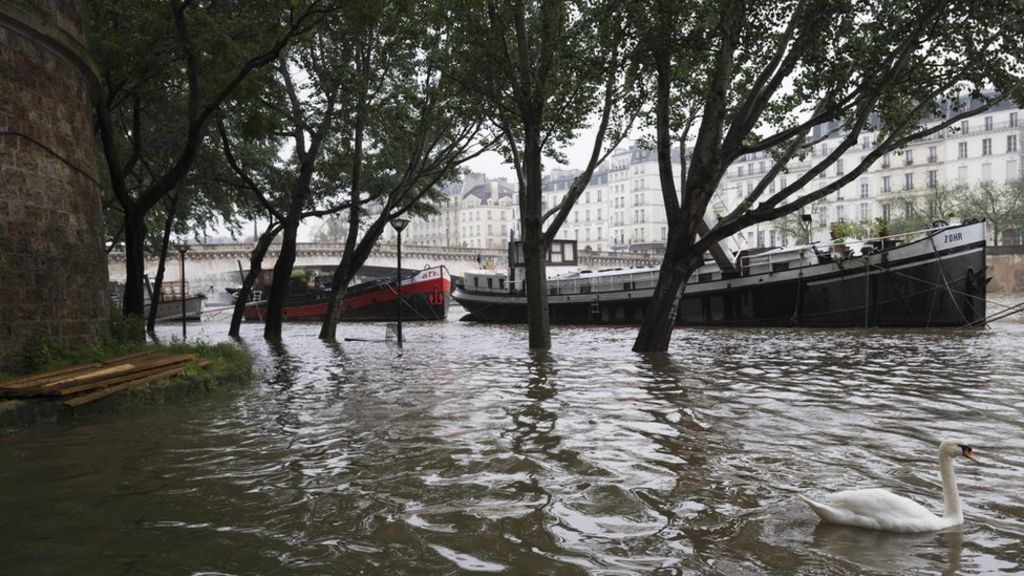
pixel 878 228
pixel 1002 206
pixel 39 352
pixel 918 211
pixel 842 230
pixel 124 330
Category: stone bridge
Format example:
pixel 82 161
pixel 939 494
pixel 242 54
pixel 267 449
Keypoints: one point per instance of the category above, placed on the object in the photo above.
pixel 213 267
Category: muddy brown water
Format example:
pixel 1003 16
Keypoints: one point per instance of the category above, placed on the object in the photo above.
pixel 464 453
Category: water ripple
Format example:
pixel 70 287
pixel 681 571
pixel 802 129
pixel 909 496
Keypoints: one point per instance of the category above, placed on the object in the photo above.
pixel 465 453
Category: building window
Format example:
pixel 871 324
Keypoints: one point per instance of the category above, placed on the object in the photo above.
pixel 760 238
pixel 986 147
pixel 771 237
pixel 1011 143
pixel 865 142
pixel 965 128
pixel 908 157
pixel 885 160
pixel 839 193
pixel 988 123
pixel 886 212
pixel 1013 119
pixel 886 184
pixel 840 213
pixel 961 149
pixel 933 154
pixel 933 178
pixel 839 167
pixel 865 188
pixel 864 213
pixel 908 181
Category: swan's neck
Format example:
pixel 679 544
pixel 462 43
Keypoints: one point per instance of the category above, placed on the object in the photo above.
pixel 950 495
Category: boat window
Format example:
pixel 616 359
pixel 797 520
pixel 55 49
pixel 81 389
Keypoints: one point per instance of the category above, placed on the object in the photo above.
pixel 490 282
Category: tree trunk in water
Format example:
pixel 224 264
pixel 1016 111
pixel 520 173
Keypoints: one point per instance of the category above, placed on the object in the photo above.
pixel 255 267
pixel 280 283
pixel 134 265
pixel 339 287
pixel 534 248
pixel 659 320
pixel 154 298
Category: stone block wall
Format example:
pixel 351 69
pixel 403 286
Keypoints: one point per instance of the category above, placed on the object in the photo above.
pixel 1007 272
pixel 53 273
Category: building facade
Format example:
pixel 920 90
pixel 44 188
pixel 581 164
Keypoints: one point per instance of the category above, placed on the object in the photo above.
pixel 985 147
pixel 622 208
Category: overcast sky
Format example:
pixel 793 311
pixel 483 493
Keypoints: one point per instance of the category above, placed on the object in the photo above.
pixel 578 154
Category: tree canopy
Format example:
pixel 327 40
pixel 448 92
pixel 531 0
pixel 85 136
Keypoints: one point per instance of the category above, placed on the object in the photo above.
pixel 781 77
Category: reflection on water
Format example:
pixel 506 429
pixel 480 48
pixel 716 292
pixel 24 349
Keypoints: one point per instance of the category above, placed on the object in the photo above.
pixel 903 553
pixel 465 453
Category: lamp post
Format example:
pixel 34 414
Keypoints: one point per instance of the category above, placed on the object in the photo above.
pixel 399 224
pixel 182 248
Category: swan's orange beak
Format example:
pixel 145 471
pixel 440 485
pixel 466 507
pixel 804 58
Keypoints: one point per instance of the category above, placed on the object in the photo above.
pixel 970 456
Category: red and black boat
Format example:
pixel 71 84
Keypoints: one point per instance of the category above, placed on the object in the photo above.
pixel 425 296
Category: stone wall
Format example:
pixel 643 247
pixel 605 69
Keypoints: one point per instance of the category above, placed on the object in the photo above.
pixel 1006 269
pixel 53 274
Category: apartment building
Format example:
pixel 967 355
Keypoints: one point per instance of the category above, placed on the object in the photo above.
pixel 622 209
pixel 985 147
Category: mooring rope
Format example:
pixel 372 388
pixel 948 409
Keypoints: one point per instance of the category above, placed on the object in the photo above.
pixel 942 272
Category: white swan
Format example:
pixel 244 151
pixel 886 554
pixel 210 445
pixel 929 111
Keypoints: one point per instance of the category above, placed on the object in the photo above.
pixel 878 509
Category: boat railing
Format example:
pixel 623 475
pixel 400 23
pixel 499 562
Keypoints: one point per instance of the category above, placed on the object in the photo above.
pixel 772 258
pixel 603 284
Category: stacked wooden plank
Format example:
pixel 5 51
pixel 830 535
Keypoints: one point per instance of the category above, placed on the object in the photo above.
pixel 89 382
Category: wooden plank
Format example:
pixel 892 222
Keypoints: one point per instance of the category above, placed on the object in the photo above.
pixel 94 377
pixel 41 378
pixel 32 379
pixel 117 369
pixel 91 397
pixel 70 390
pixel 130 357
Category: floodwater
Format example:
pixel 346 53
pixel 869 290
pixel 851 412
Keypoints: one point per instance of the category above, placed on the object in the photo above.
pixel 463 453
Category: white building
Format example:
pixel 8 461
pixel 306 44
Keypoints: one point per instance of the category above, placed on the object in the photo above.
pixel 982 148
pixel 622 208
pixel 476 213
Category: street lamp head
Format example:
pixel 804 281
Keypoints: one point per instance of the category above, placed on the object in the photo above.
pixel 182 247
pixel 399 224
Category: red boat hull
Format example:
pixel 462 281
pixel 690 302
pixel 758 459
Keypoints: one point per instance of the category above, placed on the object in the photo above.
pixel 425 296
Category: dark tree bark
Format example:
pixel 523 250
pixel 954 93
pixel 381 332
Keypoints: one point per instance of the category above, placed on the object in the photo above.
pixel 259 252
pixel 158 281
